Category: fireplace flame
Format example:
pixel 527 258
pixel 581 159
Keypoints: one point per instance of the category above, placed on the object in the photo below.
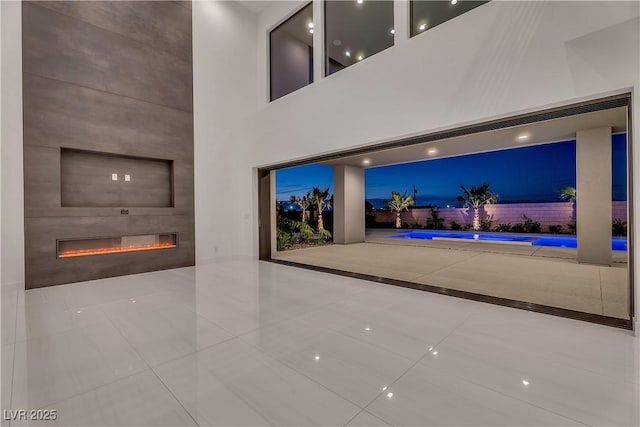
pixel 115 250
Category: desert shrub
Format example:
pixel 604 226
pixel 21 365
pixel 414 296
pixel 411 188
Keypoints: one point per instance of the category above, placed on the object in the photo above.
pixel 324 235
pixel 306 232
pixel 619 228
pixel 284 240
pixel 531 226
pixel 486 224
pixel 405 225
pixel 572 227
pixel 555 229
pixel 435 221
pixel 518 228
pixel 455 225
pixel 504 228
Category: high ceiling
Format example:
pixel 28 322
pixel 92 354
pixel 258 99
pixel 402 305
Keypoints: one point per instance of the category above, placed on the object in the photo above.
pixel 555 130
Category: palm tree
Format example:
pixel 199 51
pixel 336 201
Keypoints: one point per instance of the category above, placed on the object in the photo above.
pixel 321 200
pixel 304 202
pixel 399 202
pixel 475 198
pixel 570 194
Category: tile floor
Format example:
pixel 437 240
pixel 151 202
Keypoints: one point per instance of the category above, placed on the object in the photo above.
pixel 247 343
pixel 506 271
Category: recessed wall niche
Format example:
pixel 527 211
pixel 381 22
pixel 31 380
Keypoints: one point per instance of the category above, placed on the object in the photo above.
pixel 89 179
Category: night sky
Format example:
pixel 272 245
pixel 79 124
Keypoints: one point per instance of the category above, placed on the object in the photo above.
pixel 530 174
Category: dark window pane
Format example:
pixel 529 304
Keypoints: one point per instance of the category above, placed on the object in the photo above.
pixel 356 30
pixel 426 14
pixel 291 53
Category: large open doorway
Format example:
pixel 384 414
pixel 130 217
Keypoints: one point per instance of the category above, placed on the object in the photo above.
pixel 530 212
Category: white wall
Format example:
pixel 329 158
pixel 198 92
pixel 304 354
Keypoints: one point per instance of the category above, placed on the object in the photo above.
pixel 500 58
pixel 12 199
pixel 225 97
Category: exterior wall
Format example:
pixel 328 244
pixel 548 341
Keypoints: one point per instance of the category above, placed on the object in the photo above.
pixel 113 78
pixel 545 213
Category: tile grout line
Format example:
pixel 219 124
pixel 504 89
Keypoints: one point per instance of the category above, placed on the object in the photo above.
pixel 408 369
pixel 292 368
pixel 497 391
pixel 13 361
pixel 148 365
pixel 174 397
pixel 101 385
pixel 228 388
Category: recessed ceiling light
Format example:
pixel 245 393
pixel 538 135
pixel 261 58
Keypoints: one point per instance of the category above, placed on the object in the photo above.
pixel 389 395
pixel 346 52
pixel 310 24
pixel 337 42
pixel 317 357
pixel 435 353
pixel 454 2
pixel 432 151
pixel 366 161
pixel 360 57
pixel 384 388
pixel 311 30
pixel 523 136
pixel 359 1
pixel 422 27
pixel 392 31
pixel 525 382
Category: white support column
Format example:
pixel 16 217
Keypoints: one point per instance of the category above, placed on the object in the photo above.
pixel 318 40
pixel 348 204
pixel 401 21
pixel 593 205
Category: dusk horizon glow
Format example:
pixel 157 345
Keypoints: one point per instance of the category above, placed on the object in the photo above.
pixel 527 174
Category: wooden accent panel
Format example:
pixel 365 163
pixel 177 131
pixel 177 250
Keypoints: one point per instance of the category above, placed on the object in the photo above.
pixel 113 78
pixel 75 51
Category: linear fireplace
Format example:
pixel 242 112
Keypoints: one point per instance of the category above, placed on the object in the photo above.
pixel 68 248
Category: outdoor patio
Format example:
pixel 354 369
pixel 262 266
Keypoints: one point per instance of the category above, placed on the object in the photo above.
pixel 541 275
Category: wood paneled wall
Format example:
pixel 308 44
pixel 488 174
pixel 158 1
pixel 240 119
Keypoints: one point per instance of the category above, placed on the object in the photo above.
pixel 113 78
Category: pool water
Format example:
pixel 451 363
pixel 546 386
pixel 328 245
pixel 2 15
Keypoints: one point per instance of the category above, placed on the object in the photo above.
pixel 617 243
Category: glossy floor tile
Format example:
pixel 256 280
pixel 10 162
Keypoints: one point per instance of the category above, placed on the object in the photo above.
pixel 276 392
pixel 248 343
pixel 138 400
pixel 426 396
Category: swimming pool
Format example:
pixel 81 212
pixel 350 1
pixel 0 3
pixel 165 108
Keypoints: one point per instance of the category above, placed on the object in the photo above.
pixel 617 243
